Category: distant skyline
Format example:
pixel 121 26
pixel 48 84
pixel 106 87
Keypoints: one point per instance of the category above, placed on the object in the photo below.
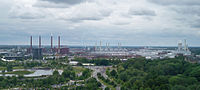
pixel 130 22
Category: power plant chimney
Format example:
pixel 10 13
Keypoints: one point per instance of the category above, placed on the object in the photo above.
pixel 39 41
pixel 118 45
pixel 95 46
pixel 106 45
pixel 31 43
pixel 51 42
pixel 185 45
pixel 100 46
pixel 58 44
pixel 109 46
pixel 179 45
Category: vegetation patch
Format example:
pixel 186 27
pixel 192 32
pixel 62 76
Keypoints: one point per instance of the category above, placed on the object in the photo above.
pixel 78 69
pixel 107 82
pixel 99 61
pixel 2 68
pixel 167 74
pixel 19 72
pixel 18 67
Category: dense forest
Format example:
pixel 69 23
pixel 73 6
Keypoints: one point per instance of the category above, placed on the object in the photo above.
pixel 169 74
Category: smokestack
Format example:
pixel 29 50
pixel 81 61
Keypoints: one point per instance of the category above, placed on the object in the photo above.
pixel 118 45
pixel 58 44
pixel 100 46
pixel 185 45
pixel 108 46
pixel 39 41
pixel 95 46
pixel 51 42
pixel 31 44
pixel 179 45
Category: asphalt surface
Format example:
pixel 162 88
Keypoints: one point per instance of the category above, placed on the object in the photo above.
pixel 101 70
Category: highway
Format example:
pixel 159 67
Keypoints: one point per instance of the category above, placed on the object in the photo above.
pixel 99 69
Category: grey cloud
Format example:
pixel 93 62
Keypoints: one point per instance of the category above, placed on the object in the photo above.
pixel 79 17
pixel 27 16
pixel 121 23
pixel 142 12
pixel 71 2
pixel 188 15
pixel 23 12
pixel 192 10
pixel 58 3
pixel 105 12
pixel 176 2
pixel 134 34
pixel 45 4
pixel 196 24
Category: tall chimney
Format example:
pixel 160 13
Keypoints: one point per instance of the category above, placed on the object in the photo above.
pixel 185 45
pixel 100 46
pixel 109 46
pixel 58 44
pixel 31 44
pixel 39 41
pixel 106 45
pixel 51 42
pixel 95 46
pixel 118 45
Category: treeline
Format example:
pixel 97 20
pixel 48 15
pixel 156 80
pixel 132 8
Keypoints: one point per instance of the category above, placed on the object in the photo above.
pixel 169 74
pixel 99 61
pixel 26 64
pixel 195 50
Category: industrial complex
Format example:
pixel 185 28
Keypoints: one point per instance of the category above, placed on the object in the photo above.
pixel 106 51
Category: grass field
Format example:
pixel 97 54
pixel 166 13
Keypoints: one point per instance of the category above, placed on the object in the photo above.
pixel 2 68
pixel 19 67
pixel 78 69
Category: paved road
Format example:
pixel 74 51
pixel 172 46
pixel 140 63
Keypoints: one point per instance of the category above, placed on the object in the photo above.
pixel 118 87
pixel 99 69
pixel 102 71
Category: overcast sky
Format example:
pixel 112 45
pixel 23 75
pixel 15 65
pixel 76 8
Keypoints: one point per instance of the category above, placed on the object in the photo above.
pixel 130 22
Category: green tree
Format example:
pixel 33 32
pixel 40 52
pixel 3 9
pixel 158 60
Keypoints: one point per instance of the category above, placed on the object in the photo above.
pixel 9 68
pixel 113 73
pixel 179 87
pixel 56 73
pixel 107 88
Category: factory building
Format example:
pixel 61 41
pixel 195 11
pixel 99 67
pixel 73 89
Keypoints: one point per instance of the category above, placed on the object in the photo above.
pixel 64 51
pixel 37 53
pixel 61 50
pixel 183 49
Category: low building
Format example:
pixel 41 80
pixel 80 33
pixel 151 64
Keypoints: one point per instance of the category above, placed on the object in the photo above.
pixel 73 62
pixel 87 64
